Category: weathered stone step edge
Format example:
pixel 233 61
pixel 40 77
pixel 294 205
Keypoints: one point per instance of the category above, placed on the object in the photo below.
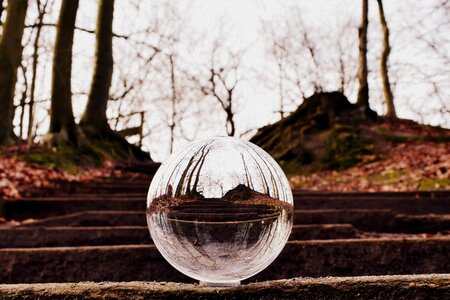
pixel 399 204
pixel 429 286
pixel 348 257
pixel 34 237
pixel 38 209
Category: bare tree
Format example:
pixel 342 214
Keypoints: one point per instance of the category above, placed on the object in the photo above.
pixel 224 77
pixel 302 60
pixel 62 124
pixel 10 58
pixel 278 49
pixel 388 97
pixel 363 90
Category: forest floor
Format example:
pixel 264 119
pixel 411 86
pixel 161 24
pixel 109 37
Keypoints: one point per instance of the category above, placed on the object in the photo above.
pixel 397 167
pixel 19 177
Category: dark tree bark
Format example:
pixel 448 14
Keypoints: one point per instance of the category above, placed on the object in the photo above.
pixel 95 113
pixel 10 57
pixel 388 97
pixel 2 9
pixel 363 90
pixel 62 124
pixel 94 123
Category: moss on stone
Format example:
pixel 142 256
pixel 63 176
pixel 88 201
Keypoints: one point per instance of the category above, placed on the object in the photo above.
pixel 433 184
pixel 64 158
pixel 388 177
pixel 344 148
pixel 91 152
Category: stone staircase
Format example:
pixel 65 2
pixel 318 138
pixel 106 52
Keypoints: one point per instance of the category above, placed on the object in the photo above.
pixel 97 232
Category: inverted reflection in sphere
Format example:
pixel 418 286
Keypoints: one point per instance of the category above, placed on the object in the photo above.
pixel 220 211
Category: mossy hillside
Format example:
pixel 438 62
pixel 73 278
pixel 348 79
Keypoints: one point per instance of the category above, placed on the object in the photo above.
pixel 64 158
pixel 389 178
pixel 344 148
pixel 327 132
pixel 323 133
pixel 72 158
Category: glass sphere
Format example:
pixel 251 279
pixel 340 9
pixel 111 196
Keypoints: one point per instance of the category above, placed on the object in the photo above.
pixel 220 211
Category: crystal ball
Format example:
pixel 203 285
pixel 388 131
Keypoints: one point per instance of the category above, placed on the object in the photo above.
pixel 220 211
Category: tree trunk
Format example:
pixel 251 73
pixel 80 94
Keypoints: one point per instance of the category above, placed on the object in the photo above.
pixel 62 123
pixel 174 102
pixel 363 90
pixel 2 9
pixel 94 123
pixel 39 24
pixel 388 97
pixel 10 57
pixel 95 114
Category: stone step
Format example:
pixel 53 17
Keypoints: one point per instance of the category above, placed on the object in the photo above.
pixel 100 187
pixel 361 219
pixel 40 207
pixel 35 237
pixel 347 257
pixel 408 205
pixel 143 168
pixel 95 197
pixel 92 219
pixel 422 223
pixel 430 286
